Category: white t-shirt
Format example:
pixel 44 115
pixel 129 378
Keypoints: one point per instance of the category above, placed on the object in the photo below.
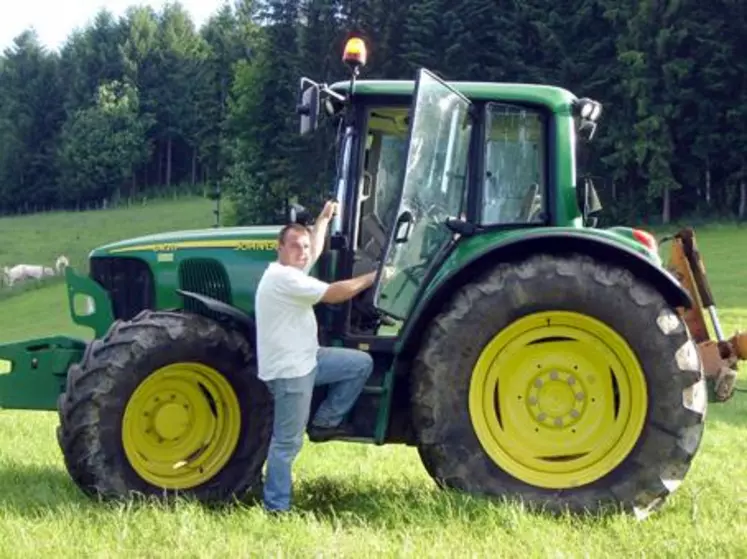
pixel 287 341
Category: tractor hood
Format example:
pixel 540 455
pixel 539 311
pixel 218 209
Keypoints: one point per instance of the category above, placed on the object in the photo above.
pixel 248 238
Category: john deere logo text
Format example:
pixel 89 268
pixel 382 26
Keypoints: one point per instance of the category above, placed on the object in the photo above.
pixel 268 244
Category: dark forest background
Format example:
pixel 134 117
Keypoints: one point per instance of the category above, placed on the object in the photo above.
pixel 149 105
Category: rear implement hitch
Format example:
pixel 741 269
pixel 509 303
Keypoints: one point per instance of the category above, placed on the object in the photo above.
pixel 720 356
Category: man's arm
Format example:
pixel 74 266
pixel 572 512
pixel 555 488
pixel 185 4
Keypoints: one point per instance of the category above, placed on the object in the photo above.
pixel 347 289
pixel 318 236
pixel 319 231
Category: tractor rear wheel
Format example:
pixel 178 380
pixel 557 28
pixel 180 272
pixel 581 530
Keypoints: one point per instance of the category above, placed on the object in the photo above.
pixel 166 403
pixel 564 382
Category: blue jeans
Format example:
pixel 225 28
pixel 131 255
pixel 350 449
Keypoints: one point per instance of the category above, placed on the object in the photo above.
pixel 347 371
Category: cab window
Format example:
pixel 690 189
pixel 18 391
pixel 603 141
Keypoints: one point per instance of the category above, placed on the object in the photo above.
pixel 515 178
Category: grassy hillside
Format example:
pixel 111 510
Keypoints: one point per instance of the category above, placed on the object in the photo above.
pixel 41 238
pixel 352 499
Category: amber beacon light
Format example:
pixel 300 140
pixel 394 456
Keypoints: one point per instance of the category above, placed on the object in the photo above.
pixel 355 53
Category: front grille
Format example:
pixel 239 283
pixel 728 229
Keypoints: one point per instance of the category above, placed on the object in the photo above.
pixel 206 277
pixel 129 282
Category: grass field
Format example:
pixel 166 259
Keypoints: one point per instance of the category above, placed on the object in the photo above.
pixel 352 500
pixel 41 238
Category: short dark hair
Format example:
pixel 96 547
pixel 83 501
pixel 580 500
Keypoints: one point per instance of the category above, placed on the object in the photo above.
pixel 292 227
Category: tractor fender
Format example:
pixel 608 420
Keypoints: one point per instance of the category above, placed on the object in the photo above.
pixel 549 242
pixel 235 318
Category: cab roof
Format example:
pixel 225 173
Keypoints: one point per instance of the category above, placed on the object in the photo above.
pixel 556 98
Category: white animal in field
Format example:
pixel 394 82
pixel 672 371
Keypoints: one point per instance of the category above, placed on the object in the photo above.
pixel 21 272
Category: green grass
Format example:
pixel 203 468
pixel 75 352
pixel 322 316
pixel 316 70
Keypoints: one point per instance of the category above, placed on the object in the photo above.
pixel 41 238
pixel 352 500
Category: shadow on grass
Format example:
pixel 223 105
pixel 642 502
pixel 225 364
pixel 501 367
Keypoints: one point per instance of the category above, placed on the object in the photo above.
pixel 732 412
pixel 390 505
pixel 31 489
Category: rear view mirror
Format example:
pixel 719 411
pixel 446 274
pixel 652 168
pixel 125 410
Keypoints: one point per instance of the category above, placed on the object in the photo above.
pixel 308 105
pixel 590 203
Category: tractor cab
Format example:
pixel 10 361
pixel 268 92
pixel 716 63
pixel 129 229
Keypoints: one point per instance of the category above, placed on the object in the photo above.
pixel 423 163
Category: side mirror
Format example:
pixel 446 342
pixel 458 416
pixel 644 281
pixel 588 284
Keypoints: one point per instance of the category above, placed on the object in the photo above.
pixel 590 204
pixel 593 204
pixel 308 105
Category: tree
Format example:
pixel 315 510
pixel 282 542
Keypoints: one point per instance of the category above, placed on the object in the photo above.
pixel 31 114
pixel 103 145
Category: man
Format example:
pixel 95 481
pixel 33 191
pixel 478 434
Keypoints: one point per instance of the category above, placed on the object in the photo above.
pixel 290 360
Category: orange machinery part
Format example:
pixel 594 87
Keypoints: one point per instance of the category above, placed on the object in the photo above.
pixel 719 357
pixel 740 345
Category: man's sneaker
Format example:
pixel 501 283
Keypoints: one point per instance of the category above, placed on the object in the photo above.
pixel 320 434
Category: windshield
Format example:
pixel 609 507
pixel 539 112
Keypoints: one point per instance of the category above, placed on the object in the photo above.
pixel 433 190
pixel 515 158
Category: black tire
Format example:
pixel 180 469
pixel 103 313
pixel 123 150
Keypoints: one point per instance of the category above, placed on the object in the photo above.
pixel 100 386
pixel 676 403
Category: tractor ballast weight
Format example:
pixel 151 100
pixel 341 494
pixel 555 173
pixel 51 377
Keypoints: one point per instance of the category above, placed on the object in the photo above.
pixel 526 353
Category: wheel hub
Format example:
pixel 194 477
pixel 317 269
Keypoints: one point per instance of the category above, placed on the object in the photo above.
pixel 171 421
pixel 556 399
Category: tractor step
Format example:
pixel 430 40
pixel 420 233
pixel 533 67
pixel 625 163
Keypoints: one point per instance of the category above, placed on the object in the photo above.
pixel 371 412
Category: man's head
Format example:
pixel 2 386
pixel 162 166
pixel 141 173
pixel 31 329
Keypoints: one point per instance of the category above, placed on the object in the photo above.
pixel 294 246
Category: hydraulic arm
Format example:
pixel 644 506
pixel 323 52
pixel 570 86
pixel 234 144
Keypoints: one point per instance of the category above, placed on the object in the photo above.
pixel 722 355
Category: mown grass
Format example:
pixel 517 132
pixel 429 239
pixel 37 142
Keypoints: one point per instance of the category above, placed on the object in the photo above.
pixel 356 500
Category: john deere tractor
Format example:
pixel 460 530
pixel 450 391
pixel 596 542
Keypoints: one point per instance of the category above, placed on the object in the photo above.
pixel 525 352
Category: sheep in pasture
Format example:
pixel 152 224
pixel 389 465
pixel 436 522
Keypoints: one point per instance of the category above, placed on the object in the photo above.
pixel 21 272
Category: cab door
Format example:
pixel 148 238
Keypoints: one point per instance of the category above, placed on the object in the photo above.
pixel 433 189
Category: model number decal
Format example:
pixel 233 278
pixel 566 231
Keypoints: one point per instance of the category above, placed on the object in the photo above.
pixel 165 247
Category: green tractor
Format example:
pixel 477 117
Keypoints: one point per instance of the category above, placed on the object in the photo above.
pixel 526 353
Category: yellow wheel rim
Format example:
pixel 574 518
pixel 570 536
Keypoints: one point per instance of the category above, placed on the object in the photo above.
pixel 181 425
pixel 558 399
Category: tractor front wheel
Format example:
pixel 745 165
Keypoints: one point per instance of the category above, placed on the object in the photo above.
pixel 562 381
pixel 166 403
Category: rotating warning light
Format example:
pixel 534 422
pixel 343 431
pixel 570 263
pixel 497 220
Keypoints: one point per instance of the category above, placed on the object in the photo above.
pixel 355 52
